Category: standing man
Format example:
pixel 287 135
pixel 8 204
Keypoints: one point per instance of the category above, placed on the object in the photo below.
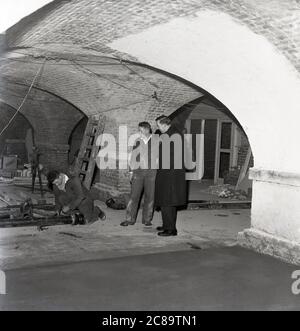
pixel 36 168
pixel 143 168
pixel 171 189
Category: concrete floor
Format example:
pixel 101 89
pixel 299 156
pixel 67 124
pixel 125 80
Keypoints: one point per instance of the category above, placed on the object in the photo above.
pixel 213 279
pixel 25 247
pixel 107 267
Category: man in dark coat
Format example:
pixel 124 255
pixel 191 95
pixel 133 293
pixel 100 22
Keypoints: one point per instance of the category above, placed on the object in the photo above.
pixel 171 188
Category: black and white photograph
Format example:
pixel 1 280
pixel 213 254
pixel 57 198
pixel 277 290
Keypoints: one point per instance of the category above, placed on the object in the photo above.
pixel 149 158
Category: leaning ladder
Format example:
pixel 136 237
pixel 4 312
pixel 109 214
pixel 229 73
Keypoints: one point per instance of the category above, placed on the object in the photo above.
pixel 86 161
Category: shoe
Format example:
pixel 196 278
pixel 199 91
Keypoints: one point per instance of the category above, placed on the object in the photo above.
pixel 148 224
pixel 73 217
pixel 126 223
pixel 102 216
pixel 167 233
pixel 160 228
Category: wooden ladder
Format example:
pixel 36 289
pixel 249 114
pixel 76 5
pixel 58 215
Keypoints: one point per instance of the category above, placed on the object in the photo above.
pixel 86 160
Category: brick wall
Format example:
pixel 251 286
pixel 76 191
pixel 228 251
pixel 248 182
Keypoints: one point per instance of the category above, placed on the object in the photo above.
pixel 174 95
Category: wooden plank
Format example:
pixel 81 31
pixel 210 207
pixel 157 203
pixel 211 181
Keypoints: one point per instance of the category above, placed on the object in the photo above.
pixel 244 169
pixel 38 206
pixel 95 150
pixel 84 144
pixel 232 204
pixel 218 147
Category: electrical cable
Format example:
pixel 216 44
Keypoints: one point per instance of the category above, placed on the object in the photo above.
pixel 94 63
pixel 24 100
pixel 139 75
pixel 112 81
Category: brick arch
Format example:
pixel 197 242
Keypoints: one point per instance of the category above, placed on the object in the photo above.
pixel 65 84
pixel 101 89
pixel 216 53
pixel 7 111
pixel 51 117
pixel 261 88
pixel 45 111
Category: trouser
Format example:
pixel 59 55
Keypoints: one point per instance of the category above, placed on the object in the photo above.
pixel 142 181
pixel 169 217
pixel 89 210
pixel 86 207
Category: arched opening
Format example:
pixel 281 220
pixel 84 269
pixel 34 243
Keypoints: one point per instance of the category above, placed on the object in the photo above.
pixel 217 53
pixel 13 151
pixel 225 156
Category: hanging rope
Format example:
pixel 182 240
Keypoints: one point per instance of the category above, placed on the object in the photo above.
pixel 24 99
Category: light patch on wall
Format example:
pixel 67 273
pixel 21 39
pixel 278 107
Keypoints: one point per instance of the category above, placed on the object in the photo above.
pixel 14 10
pixel 240 68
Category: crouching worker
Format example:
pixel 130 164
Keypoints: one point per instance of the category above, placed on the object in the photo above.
pixel 71 197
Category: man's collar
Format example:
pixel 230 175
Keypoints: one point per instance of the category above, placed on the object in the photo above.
pixel 146 140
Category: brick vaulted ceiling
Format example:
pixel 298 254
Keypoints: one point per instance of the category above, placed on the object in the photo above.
pixel 93 24
pixel 81 68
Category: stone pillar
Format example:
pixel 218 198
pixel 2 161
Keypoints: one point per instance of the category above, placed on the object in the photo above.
pixel 275 224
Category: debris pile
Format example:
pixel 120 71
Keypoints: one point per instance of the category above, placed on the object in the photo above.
pixel 227 191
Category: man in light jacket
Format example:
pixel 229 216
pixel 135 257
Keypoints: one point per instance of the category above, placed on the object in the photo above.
pixel 143 168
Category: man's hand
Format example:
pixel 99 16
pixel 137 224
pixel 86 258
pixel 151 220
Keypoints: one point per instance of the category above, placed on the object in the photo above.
pixel 130 177
pixel 66 209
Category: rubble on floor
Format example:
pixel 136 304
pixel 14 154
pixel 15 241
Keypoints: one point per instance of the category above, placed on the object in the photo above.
pixel 227 191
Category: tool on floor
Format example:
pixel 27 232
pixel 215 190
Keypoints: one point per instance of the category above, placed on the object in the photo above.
pixel 26 215
pixel 86 160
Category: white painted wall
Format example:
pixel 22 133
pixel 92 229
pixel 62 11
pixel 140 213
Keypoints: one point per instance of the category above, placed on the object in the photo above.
pixel 240 68
pixel 275 210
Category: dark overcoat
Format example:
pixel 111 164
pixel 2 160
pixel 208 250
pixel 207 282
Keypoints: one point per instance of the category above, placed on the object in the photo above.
pixel 171 186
